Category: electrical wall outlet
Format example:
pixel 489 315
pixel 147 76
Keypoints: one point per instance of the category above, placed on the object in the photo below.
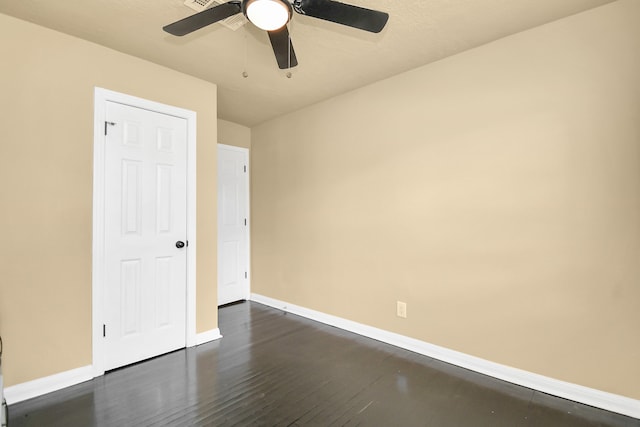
pixel 401 309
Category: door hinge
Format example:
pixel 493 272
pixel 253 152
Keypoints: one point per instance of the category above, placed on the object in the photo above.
pixel 186 243
pixel 245 222
pixel 245 168
pixel 104 330
pixel 245 274
pixel 108 124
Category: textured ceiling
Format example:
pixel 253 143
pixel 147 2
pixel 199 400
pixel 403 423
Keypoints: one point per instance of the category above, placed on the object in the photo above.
pixel 333 58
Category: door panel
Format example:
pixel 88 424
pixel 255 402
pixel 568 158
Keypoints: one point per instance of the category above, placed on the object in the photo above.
pixel 233 235
pixel 145 215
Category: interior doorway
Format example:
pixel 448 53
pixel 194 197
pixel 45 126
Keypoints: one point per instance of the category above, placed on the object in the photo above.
pixel 144 230
pixel 233 224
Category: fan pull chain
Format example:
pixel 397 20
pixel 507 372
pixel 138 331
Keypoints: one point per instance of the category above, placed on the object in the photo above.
pixel 245 74
pixel 289 75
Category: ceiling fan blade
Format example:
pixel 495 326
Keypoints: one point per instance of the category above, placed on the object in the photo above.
pixel 204 18
pixel 283 48
pixel 342 13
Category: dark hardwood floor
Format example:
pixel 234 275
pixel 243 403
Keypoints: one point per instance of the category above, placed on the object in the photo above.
pixel 277 369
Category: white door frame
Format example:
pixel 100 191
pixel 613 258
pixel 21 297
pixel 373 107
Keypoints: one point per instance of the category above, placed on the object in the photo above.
pixel 101 96
pixel 248 213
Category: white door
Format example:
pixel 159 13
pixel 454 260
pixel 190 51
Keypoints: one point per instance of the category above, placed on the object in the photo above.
pixel 145 226
pixel 233 224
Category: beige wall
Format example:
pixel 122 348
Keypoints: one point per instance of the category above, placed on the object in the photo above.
pixel 497 192
pixel 231 133
pixel 47 83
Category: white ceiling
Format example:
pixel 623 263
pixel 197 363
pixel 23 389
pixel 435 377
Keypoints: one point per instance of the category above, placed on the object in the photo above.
pixel 333 58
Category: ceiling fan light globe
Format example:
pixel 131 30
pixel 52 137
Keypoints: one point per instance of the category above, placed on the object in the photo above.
pixel 268 15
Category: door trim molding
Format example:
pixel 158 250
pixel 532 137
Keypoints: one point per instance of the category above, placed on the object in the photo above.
pixel 247 152
pixel 101 96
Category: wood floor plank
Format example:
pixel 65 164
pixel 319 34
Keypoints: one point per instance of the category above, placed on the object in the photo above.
pixel 277 369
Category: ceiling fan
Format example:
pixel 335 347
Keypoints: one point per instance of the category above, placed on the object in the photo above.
pixel 273 16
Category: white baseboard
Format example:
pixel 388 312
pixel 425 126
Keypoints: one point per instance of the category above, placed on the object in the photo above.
pixel 211 335
pixel 577 393
pixel 30 389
